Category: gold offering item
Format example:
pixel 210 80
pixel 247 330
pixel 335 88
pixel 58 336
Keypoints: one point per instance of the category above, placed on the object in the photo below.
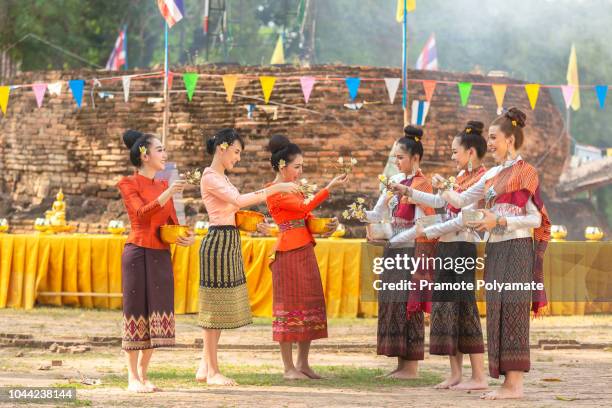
pixel 247 220
pixel 170 233
pixel 593 234
pixel 318 225
pixel 558 233
pixel 4 225
pixel 116 227
pixel 201 228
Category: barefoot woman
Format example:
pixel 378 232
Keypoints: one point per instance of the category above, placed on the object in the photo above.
pixel 299 302
pixel 146 268
pixel 514 207
pixel 224 302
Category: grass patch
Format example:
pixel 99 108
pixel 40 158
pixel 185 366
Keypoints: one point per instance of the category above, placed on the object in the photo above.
pixel 347 377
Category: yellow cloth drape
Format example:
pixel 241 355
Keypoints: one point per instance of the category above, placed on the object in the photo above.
pixel 92 264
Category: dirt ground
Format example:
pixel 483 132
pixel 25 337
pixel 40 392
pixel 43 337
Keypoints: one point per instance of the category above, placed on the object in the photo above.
pixel 571 365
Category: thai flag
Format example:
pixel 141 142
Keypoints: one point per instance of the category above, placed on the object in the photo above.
pixel 419 112
pixel 172 11
pixel 428 59
pixel 118 57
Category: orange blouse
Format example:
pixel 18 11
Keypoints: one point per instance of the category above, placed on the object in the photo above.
pixel 286 209
pixel 139 195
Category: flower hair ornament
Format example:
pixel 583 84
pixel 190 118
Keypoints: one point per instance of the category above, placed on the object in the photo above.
pixel 223 146
pixel 468 130
pixel 416 138
pixel 142 149
pixel 281 164
pixel 514 123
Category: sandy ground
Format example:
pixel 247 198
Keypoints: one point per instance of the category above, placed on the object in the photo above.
pixel 570 375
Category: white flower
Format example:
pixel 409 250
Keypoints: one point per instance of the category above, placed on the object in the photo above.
pixel 345 214
pixel 360 200
pixel 353 161
pixel 304 181
pixel 340 160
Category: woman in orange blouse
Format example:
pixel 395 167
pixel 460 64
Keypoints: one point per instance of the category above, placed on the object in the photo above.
pixel 298 300
pixel 146 266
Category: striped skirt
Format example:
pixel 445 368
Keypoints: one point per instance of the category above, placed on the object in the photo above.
pixel 148 298
pixel 508 311
pixel 298 301
pixel 224 298
pixel 398 335
pixel 455 323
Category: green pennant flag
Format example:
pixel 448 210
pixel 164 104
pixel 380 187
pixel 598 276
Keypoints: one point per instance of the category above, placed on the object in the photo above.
pixel 464 91
pixel 190 79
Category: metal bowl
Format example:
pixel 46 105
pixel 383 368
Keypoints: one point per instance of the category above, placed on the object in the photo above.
pixel 170 233
pixel 318 225
pixel 380 231
pixel 247 220
pixel 593 234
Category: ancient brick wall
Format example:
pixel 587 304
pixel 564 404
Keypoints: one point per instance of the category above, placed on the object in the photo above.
pixel 80 150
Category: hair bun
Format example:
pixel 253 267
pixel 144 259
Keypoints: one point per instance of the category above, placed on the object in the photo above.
pixel 130 137
pixel 278 143
pixel 474 126
pixel 517 115
pixel 413 133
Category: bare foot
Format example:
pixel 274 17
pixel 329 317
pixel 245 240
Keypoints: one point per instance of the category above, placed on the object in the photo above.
pixel 137 387
pixel 294 374
pixel 448 383
pixel 471 384
pixel 202 373
pixel 220 379
pixel 308 371
pixel 151 386
pixel 503 393
pixel 403 375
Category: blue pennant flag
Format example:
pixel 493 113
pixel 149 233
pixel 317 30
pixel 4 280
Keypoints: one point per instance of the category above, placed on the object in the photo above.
pixel 602 92
pixel 76 86
pixel 352 84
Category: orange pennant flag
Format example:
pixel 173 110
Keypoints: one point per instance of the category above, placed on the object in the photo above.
pixel 429 87
pixel 500 92
pixel 229 82
pixel 532 93
pixel 267 84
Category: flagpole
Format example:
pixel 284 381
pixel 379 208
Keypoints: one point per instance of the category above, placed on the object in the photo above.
pixel 404 64
pixel 166 98
pixel 125 46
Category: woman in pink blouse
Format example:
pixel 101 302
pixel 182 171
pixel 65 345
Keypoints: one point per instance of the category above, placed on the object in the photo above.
pixel 224 301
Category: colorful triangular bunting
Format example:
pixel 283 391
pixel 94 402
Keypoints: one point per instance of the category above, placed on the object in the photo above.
pixel 39 93
pixel 429 87
pixel 55 88
pixel 392 85
pixel 190 79
pixel 4 97
pixel 533 91
pixel 76 87
pixel 568 94
pixel 229 83
pixel 602 93
pixel 126 80
pixel 307 83
pixel 465 88
pixel 267 84
pixel 499 90
pixel 352 83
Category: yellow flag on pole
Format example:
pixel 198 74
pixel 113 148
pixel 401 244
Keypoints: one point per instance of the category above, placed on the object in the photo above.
pixel 572 78
pixel 410 6
pixel 278 56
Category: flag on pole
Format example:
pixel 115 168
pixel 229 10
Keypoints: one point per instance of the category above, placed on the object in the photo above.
pixel 399 13
pixel 572 78
pixel 419 112
pixel 205 18
pixel 428 59
pixel 118 57
pixel 171 10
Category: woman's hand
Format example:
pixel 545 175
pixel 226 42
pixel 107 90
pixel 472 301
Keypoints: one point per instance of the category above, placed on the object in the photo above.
pixel 487 223
pixel 338 180
pixel 265 228
pixel 177 186
pixel 400 189
pixel 186 240
pixel 437 181
pixel 331 227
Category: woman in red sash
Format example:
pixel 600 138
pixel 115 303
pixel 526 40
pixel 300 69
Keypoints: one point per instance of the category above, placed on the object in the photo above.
pixel 401 331
pixel 514 208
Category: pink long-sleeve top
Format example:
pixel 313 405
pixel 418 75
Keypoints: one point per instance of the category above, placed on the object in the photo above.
pixel 222 199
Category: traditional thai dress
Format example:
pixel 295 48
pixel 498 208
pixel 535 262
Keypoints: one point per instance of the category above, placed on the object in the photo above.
pixel 455 323
pixel 401 331
pixel 146 267
pixel 511 190
pixel 224 299
pixel 298 301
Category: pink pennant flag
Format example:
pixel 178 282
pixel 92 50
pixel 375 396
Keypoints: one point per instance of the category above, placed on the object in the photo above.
pixel 568 94
pixel 39 93
pixel 307 85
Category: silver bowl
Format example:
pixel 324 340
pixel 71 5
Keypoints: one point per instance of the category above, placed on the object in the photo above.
pixel 380 231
